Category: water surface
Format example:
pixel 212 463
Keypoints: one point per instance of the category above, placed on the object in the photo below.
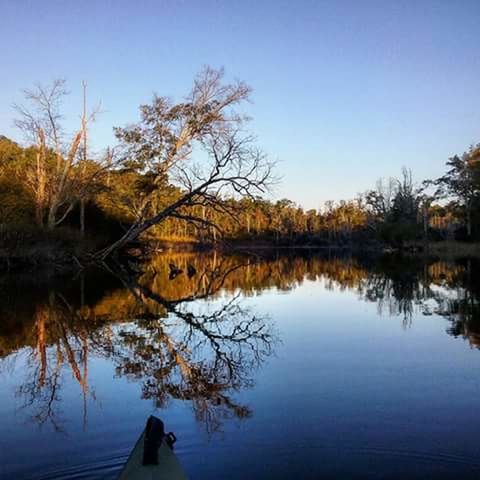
pixel 265 366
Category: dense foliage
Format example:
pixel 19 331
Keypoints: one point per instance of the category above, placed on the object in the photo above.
pixel 393 212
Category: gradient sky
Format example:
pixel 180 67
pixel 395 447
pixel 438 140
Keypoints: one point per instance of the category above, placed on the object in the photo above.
pixel 344 91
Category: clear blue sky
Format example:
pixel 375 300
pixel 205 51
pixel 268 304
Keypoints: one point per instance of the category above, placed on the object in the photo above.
pixel 344 91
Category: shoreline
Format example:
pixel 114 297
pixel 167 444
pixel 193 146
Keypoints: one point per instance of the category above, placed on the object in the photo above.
pixel 60 261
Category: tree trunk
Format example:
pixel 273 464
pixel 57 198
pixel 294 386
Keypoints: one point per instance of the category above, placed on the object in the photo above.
pixel 51 222
pixel 82 217
pixel 425 223
pixel 469 222
pixel 40 180
pixel 84 158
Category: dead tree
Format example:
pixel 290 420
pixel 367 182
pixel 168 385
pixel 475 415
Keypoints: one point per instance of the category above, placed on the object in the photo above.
pixel 55 180
pixel 198 145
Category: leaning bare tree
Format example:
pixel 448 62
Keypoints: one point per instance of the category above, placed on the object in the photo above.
pixel 56 178
pixel 198 145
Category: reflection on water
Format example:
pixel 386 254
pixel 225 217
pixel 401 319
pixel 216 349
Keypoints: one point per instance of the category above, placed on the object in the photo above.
pixel 181 330
pixel 155 330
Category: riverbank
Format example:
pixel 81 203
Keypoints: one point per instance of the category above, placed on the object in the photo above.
pixel 64 249
pixel 454 249
pixel 451 249
pixel 28 249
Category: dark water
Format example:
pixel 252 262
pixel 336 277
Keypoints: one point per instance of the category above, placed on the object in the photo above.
pixel 279 366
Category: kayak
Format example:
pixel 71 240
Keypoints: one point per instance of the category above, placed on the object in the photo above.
pixel 152 457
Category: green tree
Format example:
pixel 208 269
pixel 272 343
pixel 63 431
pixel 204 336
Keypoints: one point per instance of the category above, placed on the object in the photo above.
pixel 16 203
pixel 462 183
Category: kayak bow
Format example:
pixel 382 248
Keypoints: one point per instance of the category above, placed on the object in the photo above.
pixel 152 457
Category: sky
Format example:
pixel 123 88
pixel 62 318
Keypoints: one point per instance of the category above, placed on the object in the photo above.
pixel 344 92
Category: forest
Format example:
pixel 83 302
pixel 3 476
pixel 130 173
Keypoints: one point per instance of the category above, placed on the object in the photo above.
pixel 192 173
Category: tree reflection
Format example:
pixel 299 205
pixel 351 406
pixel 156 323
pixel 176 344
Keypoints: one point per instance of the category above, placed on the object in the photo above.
pixel 461 305
pixel 199 354
pixel 194 347
pixel 192 336
pixel 62 339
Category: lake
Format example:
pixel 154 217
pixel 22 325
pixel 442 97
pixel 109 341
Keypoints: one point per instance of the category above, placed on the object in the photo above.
pixel 269 365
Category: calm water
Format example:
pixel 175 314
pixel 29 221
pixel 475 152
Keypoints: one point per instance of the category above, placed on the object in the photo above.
pixel 276 366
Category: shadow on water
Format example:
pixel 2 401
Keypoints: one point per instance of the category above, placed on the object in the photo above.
pixel 182 330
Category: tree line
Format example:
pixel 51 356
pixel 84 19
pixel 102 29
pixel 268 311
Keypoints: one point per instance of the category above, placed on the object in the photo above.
pixel 191 171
